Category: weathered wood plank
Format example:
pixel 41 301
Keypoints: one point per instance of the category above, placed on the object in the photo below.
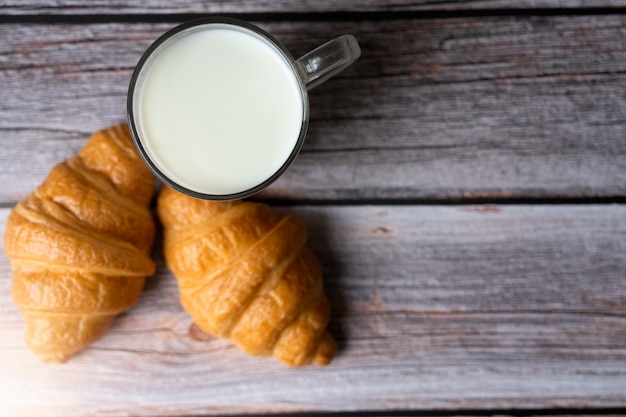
pixel 70 7
pixel 434 307
pixel 451 108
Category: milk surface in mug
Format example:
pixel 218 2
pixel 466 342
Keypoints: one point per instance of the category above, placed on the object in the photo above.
pixel 220 110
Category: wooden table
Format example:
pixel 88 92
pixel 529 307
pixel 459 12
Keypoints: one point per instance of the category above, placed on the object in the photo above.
pixel 464 184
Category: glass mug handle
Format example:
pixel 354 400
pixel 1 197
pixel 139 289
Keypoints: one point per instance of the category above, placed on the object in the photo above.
pixel 328 60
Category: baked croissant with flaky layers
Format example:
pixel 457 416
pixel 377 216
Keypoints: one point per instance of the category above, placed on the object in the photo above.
pixel 79 245
pixel 247 275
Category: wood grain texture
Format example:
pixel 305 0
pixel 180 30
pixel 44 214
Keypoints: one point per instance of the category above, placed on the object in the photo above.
pixel 494 107
pixel 435 307
pixel 71 7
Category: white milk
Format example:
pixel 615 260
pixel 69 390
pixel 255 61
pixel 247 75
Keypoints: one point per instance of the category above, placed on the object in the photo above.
pixel 220 110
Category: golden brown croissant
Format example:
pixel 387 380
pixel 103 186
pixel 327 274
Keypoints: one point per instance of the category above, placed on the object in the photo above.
pixel 79 245
pixel 245 274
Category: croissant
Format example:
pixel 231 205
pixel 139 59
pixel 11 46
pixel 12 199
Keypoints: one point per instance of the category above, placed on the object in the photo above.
pixel 247 275
pixel 79 245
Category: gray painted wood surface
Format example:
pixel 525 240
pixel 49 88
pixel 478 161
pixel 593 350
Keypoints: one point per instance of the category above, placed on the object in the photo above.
pixel 283 6
pixel 479 107
pixel 434 308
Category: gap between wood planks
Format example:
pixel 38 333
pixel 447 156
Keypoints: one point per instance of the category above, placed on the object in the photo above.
pixel 466 201
pixel 325 16
pixel 469 201
pixel 474 413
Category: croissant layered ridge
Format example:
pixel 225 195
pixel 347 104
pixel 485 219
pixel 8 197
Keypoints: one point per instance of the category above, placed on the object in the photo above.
pixel 246 274
pixel 79 245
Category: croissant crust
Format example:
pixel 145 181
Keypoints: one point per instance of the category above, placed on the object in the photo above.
pixel 79 245
pixel 247 275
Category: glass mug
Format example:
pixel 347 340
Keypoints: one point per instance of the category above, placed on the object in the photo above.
pixel 218 109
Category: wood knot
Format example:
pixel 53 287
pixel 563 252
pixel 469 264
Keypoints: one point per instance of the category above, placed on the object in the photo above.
pixel 195 333
pixel 381 231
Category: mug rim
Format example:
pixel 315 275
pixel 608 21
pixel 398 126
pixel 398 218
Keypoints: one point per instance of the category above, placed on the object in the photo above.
pixel 130 114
